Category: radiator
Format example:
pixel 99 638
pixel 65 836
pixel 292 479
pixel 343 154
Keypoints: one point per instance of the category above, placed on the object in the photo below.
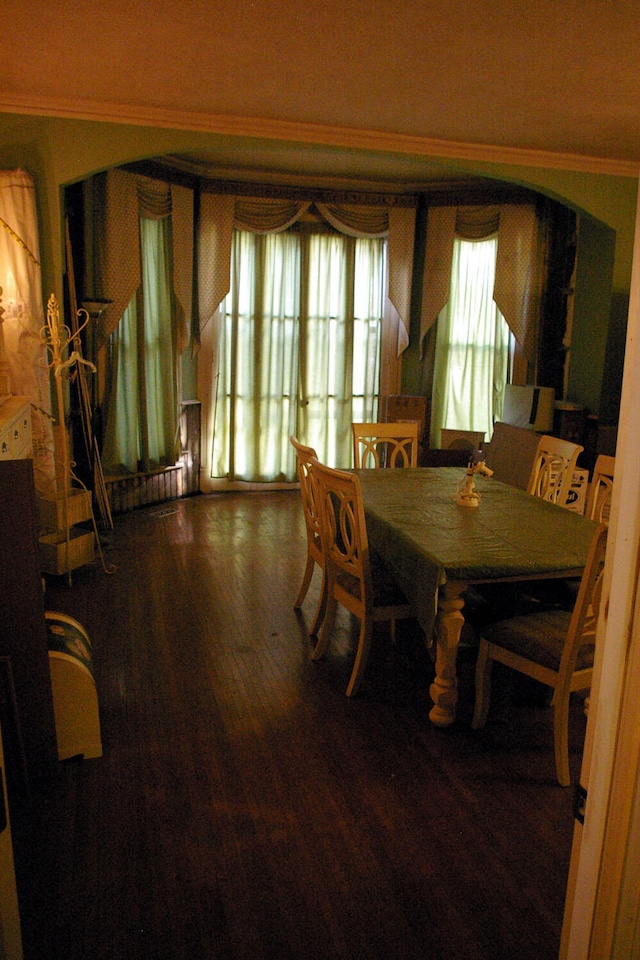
pixel 158 486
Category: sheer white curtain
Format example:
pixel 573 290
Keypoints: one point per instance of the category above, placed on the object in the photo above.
pixel 121 444
pixel 392 226
pixel 519 262
pixel 299 350
pixel 141 409
pixel 160 425
pixel 257 386
pixel 341 325
pixel 472 345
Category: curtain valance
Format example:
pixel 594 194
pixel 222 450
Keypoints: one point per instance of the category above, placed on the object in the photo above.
pixel 220 214
pixel 356 220
pixel 124 198
pixel 265 215
pixel 117 260
pixel 516 282
pixel 154 199
pixel 477 223
pixel 516 290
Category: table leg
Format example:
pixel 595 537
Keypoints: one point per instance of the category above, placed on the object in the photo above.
pixel 444 689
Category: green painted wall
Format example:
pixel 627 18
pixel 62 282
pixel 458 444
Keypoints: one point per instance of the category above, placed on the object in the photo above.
pixel 592 319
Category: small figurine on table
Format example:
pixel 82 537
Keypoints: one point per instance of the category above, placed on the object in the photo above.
pixel 466 494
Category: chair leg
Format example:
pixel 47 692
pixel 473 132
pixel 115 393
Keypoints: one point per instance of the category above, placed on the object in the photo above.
pixel 320 609
pixel 362 655
pixel 484 666
pixel 306 580
pixel 561 738
pixel 327 627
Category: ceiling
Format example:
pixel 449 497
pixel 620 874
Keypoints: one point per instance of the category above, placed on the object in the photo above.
pixel 294 164
pixel 365 90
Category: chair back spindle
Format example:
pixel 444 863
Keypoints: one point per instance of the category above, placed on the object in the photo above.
pixel 378 445
pixel 601 489
pixel 553 467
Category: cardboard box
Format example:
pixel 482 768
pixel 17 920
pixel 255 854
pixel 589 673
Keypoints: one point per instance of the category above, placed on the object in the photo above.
pixel 577 498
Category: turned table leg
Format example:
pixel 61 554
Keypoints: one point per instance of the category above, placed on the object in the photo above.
pixel 444 689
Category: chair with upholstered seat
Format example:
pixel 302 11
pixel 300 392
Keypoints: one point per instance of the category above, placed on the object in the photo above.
pixel 304 456
pixel 600 489
pixel 385 444
pixel 553 467
pixel 354 579
pixel 554 647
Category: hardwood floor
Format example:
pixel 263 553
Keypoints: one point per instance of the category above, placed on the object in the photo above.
pixel 245 809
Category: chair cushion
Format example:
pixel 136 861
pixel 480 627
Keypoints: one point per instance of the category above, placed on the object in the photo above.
pixel 539 637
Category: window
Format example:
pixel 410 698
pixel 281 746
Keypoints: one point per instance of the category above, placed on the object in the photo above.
pixel 141 407
pixel 473 345
pixel 299 352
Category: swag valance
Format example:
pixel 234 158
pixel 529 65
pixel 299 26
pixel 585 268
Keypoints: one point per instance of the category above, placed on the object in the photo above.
pixel 220 214
pixel 123 198
pixel 517 268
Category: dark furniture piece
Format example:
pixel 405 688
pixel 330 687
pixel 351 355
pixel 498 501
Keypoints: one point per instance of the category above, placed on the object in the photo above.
pixel 26 701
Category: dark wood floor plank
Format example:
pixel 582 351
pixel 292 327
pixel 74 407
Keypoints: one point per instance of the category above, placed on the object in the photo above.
pixel 245 808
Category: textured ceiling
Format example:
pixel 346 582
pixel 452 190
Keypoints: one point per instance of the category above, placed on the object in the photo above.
pixel 559 77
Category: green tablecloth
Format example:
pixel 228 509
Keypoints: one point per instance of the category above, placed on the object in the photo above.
pixel 416 526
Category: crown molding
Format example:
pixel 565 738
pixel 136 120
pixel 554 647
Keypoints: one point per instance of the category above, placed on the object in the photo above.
pixel 324 189
pixel 315 134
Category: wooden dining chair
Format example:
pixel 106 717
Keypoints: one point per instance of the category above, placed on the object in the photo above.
pixel 600 489
pixel 385 444
pixel 552 471
pixel 554 647
pixel 354 579
pixel 304 456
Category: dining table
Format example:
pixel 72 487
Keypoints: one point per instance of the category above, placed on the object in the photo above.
pixel 436 548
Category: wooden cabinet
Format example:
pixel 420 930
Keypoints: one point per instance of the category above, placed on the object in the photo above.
pixel 26 700
pixel 15 428
pixel 10 932
pixel 570 422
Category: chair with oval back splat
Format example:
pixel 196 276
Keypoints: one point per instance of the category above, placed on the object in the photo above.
pixel 554 647
pixel 304 456
pixel 553 467
pixel 354 579
pixel 601 488
pixel 385 444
